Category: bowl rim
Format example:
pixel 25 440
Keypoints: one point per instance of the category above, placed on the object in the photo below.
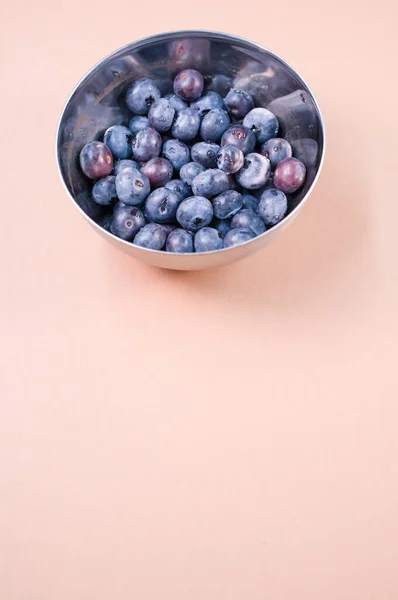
pixel 169 35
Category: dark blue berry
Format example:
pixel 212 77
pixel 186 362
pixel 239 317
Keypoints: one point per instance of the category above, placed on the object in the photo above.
pixel 208 239
pixel 207 102
pixel 272 206
pixel 238 103
pixel 124 164
pixel 132 187
pixel 227 204
pixel 276 149
pixel 247 219
pixel 205 153
pixel 152 236
pixel 263 123
pixel 210 183
pixel 235 237
pixel 180 241
pixel 179 187
pixel 118 139
pixel 146 144
pixel 161 206
pixel 189 171
pixel 255 171
pixel 141 95
pixel 214 124
pixel 194 213
pixel 222 225
pixel 186 124
pixel 250 202
pixel 126 222
pixel 104 191
pixel 176 102
pixel 230 159
pixel 177 153
pixel 240 136
pixel 161 115
pixel 138 123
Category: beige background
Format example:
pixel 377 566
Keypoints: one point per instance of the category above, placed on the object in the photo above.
pixel 202 436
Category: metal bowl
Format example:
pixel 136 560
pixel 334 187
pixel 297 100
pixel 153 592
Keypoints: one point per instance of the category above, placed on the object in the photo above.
pixel 225 61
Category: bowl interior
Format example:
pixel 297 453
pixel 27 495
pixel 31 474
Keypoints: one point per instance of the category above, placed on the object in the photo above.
pixel 225 61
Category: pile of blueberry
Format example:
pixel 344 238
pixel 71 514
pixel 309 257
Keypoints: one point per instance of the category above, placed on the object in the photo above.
pixel 194 178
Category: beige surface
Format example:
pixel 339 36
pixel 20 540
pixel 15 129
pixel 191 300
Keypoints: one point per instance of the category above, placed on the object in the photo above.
pixel 230 435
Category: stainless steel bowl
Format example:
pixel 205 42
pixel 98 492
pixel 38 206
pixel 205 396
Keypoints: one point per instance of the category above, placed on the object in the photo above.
pixel 225 60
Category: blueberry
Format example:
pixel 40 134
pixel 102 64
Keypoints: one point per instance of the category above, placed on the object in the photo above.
pixel 179 187
pixel 210 183
pixel 146 144
pixel 151 236
pixel 194 213
pixel 218 83
pixel 230 159
pixel 186 124
pixel 234 237
pixel 289 175
pixel 189 171
pixel 240 136
pixel 104 191
pixel 208 239
pixel 122 165
pixel 158 170
pixel 188 84
pixel 247 219
pixel 177 153
pixel 96 160
pixel 138 123
pixel 207 102
pixel 276 149
pixel 238 103
pixel 180 241
pixel 222 225
pixel 118 139
pixel 255 171
pixel 126 222
pixel 176 102
pixel 132 187
pixel 272 206
pixel 205 153
pixel 263 123
pixel 141 95
pixel 249 201
pixel 214 124
pixel 227 204
pixel 168 228
pixel 161 206
pixel 161 115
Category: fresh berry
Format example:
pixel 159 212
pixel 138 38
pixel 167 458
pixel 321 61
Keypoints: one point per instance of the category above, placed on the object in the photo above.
pixel 126 222
pixel 238 103
pixel 188 84
pixel 141 95
pixel 158 170
pixel 96 160
pixel 272 206
pixel 194 213
pixel 180 241
pixel 118 139
pixel 289 175
pixel 104 191
pixel 151 236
